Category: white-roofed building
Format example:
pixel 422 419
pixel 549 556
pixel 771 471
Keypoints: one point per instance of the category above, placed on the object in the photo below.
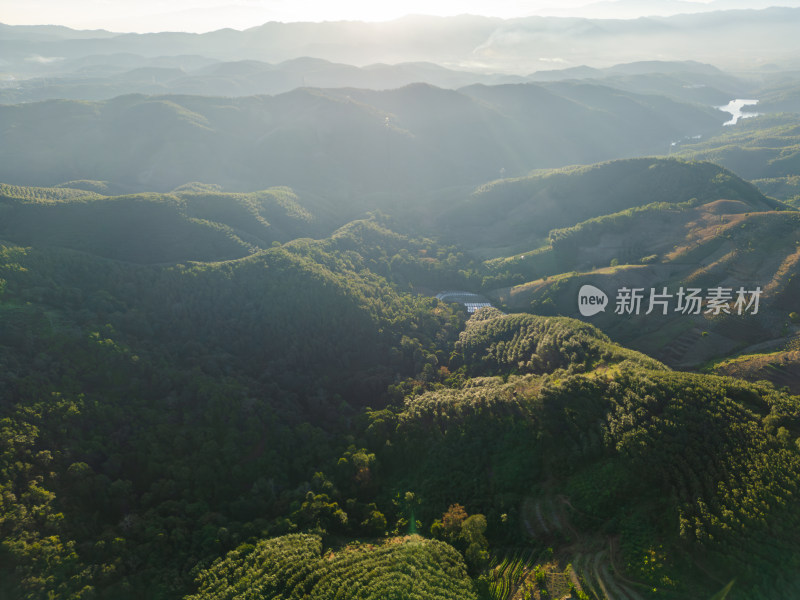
pixel 471 301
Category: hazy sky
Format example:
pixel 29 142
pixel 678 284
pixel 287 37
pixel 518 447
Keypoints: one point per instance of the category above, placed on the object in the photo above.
pixel 205 15
pixel 208 15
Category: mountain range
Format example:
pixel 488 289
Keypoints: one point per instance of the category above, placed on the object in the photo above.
pixel 732 39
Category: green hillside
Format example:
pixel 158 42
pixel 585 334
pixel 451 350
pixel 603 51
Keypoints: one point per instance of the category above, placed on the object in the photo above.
pixel 295 566
pixel 206 401
pixel 191 223
pixel 779 368
pixel 494 343
pixel 644 224
pixel 341 142
pixel 764 149
pixel 520 213
pixel 721 245
pixel 688 478
pixel 261 364
pixel 176 428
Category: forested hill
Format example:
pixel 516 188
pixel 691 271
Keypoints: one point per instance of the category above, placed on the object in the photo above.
pixel 632 474
pixel 155 416
pixel 202 222
pixel 193 222
pixel 661 221
pixel 513 212
pixel 341 142
pixel 197 381
pixel 593 463
pixel 162 416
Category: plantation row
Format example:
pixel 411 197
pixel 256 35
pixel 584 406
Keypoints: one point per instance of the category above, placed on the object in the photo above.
pixel 648 454
pixel 494 343
pixel 294 566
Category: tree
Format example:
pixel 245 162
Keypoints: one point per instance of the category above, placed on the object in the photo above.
pixel 452 521
pixel 472 532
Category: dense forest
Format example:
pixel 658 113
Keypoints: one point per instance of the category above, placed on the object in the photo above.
pixel 296 417
pixel 226 373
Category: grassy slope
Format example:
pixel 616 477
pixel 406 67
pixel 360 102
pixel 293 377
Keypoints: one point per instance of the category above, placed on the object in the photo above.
pixel 720 246
pixel 659 223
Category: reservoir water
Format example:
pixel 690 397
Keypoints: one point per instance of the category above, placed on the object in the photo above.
pixel 734 107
